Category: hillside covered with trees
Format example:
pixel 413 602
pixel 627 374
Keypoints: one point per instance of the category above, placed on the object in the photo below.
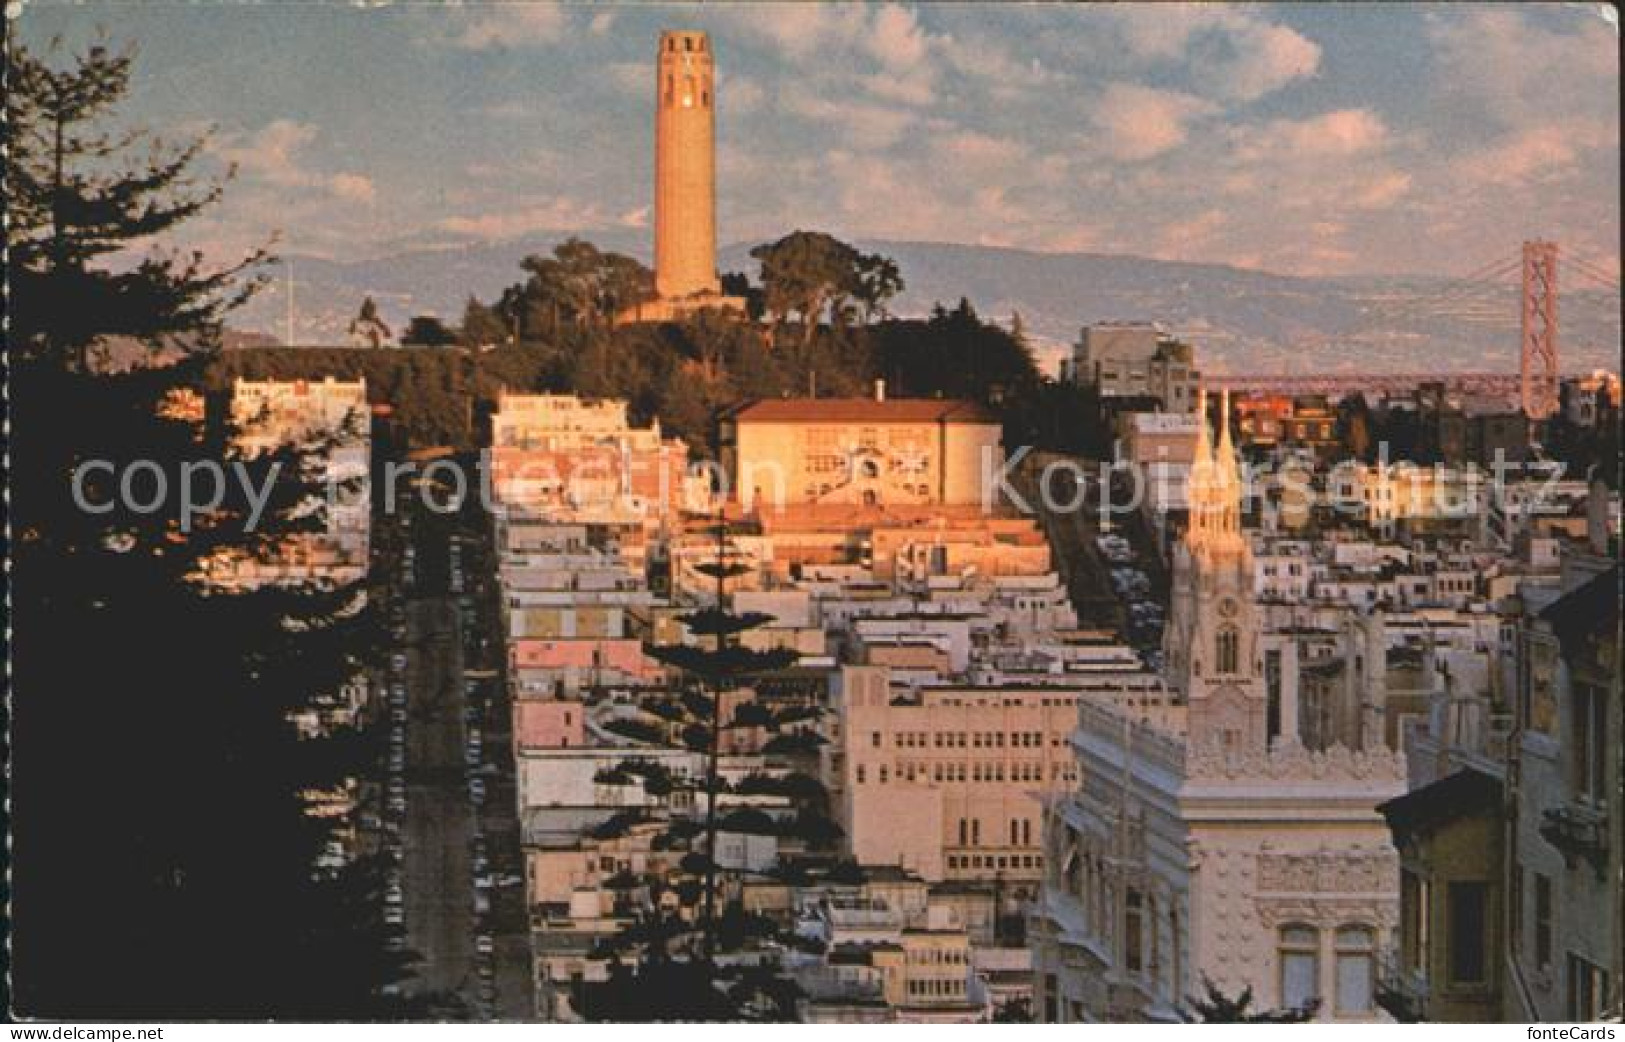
pixel 817 325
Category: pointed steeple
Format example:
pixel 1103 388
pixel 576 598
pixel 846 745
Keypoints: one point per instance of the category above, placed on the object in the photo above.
pixel 1225 456
pixel 1199 490
pixel 1227 476
pixel 1204 452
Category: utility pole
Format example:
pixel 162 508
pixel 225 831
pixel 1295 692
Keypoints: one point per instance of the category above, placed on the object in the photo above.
pixel 287 332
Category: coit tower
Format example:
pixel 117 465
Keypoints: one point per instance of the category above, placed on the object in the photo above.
pixel 685 167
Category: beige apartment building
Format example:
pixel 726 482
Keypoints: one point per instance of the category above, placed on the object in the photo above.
pixel 945 781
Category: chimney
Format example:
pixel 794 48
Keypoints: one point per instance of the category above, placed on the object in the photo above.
pixel 880 390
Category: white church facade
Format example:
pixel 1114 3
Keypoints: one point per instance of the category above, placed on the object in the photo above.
pixel 1198 845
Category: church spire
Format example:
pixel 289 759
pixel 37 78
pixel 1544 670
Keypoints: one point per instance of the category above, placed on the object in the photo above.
pixel 1198 490
pixel 1227 472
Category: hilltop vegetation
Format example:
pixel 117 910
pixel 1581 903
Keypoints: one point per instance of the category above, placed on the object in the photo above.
pixel 818 325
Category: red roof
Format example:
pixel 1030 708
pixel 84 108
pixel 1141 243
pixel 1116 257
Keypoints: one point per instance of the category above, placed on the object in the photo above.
pixel 863 410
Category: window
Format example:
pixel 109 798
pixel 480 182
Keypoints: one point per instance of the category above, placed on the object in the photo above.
pixel 1543 920
pixel 1588 989
pixel 1300 966
pixel 1590 743
pixel 1467 913
pixel 1133 928
pixel 1356 970
pixel 1225 650
pixel 860 774
pixel 1413 910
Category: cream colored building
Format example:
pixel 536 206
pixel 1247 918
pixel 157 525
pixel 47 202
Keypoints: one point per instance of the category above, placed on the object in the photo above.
pixel 331 418
pixel 562 457
pixel 948 781
pixel 1194 846
pixel 872 453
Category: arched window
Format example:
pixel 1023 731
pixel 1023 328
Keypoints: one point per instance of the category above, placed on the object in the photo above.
pixel 1299 958
pixel 1356 970
pixel 1225 650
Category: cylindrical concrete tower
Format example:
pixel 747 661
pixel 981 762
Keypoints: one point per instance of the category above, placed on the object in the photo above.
pixel 685 167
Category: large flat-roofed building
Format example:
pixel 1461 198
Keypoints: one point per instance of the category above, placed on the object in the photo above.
pixel 861 452
pixel 1136 360
pixel 947 779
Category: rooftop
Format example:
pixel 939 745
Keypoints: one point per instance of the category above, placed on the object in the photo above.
pixel 863 410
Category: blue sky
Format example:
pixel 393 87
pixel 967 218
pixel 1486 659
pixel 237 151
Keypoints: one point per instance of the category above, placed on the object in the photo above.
pixel 1293 138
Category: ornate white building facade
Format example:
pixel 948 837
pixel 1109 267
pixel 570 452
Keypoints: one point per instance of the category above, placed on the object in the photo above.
pixel 1197 848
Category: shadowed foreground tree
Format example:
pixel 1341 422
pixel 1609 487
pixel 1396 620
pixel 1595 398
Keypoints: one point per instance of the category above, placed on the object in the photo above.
pixel 1215 1007
pixel 79 191
pixel 162 861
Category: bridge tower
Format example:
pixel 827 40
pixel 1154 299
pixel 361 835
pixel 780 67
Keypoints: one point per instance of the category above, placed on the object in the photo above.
pixel 1538 367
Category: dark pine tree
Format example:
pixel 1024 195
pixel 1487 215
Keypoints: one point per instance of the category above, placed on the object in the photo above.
pixel 162 858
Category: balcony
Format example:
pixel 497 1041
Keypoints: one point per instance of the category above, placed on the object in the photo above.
pixel 1579 832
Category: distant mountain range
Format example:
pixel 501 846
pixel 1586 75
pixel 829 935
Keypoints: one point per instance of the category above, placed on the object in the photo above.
pixel 1242 321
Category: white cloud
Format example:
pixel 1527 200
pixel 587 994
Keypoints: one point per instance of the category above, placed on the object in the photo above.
pixel 863 124
pixel 1344 132
pixel 632 77
pixel 1537 154
pixel 896 39
pixel 1138 123
pixel 560 213
pixel 1500 62
pixel 354 187
pixel 1267 58
pixel 1230 51
pixel 737 95
pixel 273 158
pixel 512 25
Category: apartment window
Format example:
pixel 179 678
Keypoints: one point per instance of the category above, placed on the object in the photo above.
pixel 964 832
pixel 1590 743
pixel 874 739
pixel 1356 970
pixel 1467 911
pixel 1543 920
pixel 860 774
pixel 976 832
pixel 1413 909
pixel 1299 952
pixel 1588 990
